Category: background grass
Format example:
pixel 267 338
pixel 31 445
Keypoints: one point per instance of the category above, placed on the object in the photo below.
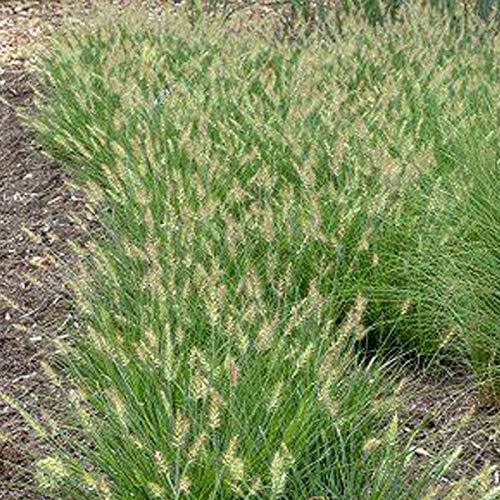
pixel 274 214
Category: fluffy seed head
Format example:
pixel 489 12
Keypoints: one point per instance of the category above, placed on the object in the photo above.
pixel 280 465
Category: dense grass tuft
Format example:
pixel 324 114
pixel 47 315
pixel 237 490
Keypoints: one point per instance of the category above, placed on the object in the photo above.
pixel 273 216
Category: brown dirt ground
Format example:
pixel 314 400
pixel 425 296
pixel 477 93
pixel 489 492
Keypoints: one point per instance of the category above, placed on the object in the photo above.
pixel 37 220
pixel 36 224
pixel 443 411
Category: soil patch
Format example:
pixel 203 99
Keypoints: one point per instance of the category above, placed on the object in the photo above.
pixel 444 412
pixel 36 224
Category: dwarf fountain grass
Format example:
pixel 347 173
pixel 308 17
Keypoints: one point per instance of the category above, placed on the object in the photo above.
pixel 281 208
pixel 478 259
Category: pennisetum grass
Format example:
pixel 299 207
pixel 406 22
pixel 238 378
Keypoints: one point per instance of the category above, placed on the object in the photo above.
pixel 278 213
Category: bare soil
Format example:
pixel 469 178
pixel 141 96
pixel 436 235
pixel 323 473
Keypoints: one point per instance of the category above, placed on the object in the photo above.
pixel 443 412
pixel 37 209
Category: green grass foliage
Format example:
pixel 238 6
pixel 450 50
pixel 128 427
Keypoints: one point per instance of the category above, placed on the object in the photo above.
pixel 272 214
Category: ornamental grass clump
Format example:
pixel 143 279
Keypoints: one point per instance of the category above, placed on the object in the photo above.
pixel 276 217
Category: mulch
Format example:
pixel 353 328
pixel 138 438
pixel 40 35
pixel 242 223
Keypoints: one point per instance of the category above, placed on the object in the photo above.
pixel 443 411
pixel 38 219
